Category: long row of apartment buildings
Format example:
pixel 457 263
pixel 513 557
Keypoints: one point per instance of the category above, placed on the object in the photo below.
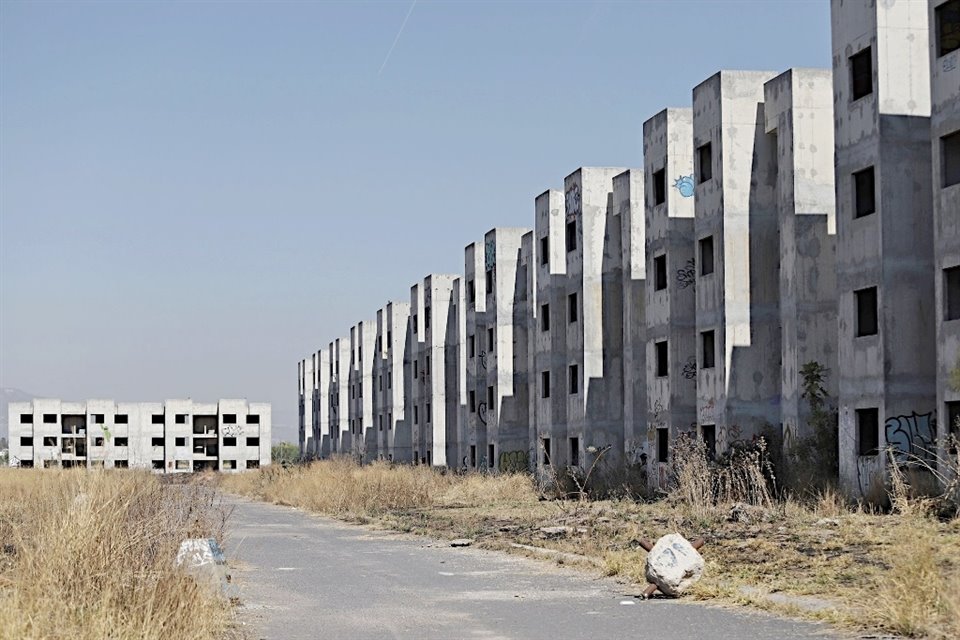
pixel 782 219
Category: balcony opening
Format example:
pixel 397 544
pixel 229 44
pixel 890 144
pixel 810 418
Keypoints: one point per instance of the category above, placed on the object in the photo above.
pixel 206 426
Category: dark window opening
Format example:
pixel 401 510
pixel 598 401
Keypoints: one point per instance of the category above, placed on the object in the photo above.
pixel 545 250
pixel 156 441
pixel 156 464
pixel 708 433
pixel 429 413
pixel 574 452
pixel 864 193
pixel 156 418
pixel 471 293
pixel 861 74
pixel 706 256
pixel 473 455
pixel 253 441
pixel 662 359
pixel 574 379
pixel 180 418
pixel 571 236
pixel 545 317
pixel 490 400
pixel 471 347
pixel 26 418
pixel 866 301
pixel 950 158
pixel 546 450
pixel 659 186
pixel 230 442
pixel 49 441
pixel 26 441
pixel 180 442
pixel 120 442
pixel 426 321
pixel 953 426
pixel 416 414
pixel 544 384
pixel 708 350
pixel 120 418
pixel 489 279
pixel 868 432
pixel 951 293
pixel 97 418
pixel 660 273
pixel 491 343
pixel 704 163
pixel 50 418
pixel 572 308
pixel 663 444
pixel 948 27
pixel 491 452
pixel 121 464
pixel 473 401
pixel 229 418
pixel 253 464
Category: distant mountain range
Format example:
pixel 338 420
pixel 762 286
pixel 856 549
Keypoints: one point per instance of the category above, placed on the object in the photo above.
pixel 8 395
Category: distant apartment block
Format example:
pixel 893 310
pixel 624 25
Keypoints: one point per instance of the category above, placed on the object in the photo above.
pixel 175 436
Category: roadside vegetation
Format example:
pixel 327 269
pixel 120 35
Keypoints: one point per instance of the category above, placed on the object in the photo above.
pixel 90 554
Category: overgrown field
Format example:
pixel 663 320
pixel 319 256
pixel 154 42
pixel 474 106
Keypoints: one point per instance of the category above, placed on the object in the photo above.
pixel 90 554
pixel 822 559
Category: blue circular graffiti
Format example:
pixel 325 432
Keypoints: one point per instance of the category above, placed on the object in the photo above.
pixel 684 185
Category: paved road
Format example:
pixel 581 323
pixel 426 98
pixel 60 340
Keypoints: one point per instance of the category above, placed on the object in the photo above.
pixel 303 576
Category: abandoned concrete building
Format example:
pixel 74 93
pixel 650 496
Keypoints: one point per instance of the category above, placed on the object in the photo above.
pixel 782 219
pixel 175 436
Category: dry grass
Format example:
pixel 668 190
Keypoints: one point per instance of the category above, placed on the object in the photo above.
pixel 89 554
pixel 895 572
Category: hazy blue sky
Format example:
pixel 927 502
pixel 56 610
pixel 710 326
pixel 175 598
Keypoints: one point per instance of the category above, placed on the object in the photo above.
pixel 193 196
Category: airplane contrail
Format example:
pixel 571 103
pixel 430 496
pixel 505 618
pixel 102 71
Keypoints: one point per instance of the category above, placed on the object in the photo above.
pixel 397 39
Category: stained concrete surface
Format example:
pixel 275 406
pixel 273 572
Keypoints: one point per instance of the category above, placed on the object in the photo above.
pixel 303 576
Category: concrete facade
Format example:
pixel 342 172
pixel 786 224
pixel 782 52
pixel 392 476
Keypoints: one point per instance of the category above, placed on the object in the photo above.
pixel 670 313
pixel 390 346
pixel 885 266
pixel 305 381
pixel 945 139
pixel 176 436
pixel 737 254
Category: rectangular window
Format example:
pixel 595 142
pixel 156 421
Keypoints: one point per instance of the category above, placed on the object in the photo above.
pixel 253 464
pixel 426 317
pixel 572 308
pixel 545 317
pixel 544 384
pixel 49 441
pixel 253 418
pixel 471 292
pixel 574 379
pixel 659 186
pixel 953 426
pixel 951 293
pixel 491 401
pixel 26 441
pixel 574 452
pixel 950 158
pixel 868 432
pixel 706 256
pixel 471 347
pixel 661 359
pixel 948 27
pixel 121 464
pixel 545 250
pixel 120 442
pixel 26 418
pixel 49 418
pixel 473 455
pixel 491 452
pixel 416 414
pixel 546 450
pixel 253 441
pixel 156 464
pixel 180 418
pixel 571 236
pixel 380 423
pixel 416 323
pixel 98 441
pixel 429 413
pixel 389 420
pixel 416 369
pixel 866 302
pixel 389 339
pixel 708 350
pixel 489 280
pixel 97 418
pixel 864 193
pixel 156 441
pixel 660 273
pixel 861 74
pixel 180 442
pixel 380 383
pixel 389 379
pixel 427 370
pixel 120 418
pixel 704 163
pixel 708 433
pixel 473 401
pixel 230 442
pixel 229 418
pixel 491 343
pixel 663 444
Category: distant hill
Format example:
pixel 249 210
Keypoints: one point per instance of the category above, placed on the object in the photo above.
pixel 8 395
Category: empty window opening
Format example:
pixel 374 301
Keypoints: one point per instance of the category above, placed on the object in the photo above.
pixel 121 442
pixel 544 250
pixel 416 369
pixel 473 401
pixel 948 27
pixel 427 371
pixel 121 464
pixel 544 384
pixel 415 322
pixel 574 452
pixel 706 256
pixel 708 350
pixel 704 163
pixel 708 433
pixel 864 193
pixel 156 464
pixel 660 273
pixel 49 418
pixel 229 464
pixel 546 450
pixel 661 359
pixel 429 413
pixel 230 442
pixel 868 432
pixel 26 418
pixel 253 441
pixel 489 280
pixel 156 441
pixel 120 418
pixel 426 320
pixel 473 455
pixel 156 418
pixel 951 293
pixel 380 423
pixel 953 426
pixel 491 343
pixel 866 303
pixel 253 464
pixel 49 441
pixel 180 442
pixel 663 444
pixel 97 418
pixel 571 236
pixel 471 347
pixel 861 74
pixel 491 460
pixel 180 418
pixel 490 400
pixel 950 158
pixel 416 414
pixel 471 292
pixel 545 317
pixel 572 308
pixel 253 418
pixel 659 186
pixel 574 379
pixel 229 418
pixel 98 441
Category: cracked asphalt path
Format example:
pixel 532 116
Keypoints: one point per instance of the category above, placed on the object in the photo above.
pixel 304 576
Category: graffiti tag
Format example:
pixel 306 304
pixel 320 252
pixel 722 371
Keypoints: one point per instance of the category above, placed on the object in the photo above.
pixel 912 436
pixel 684 185
pixel 690 368
pixel 482 412
pixel 687 275
pixel 514 461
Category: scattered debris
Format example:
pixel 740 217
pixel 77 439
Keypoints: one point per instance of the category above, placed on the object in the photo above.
pixel 461 542
pixel 555 532
pixel 673 564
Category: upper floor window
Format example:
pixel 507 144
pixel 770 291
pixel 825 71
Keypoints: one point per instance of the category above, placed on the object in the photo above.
pixel 545 317
pixel 659 186
pixel 471 292
pixel 544 250
pixel 704 163
pixel 951 293
pixel 866 308
pixel 571 236
pixel 864 193
pixel 706 256
pixel 660 273
pixel 948 27
pixel 861 74
pixel 950 159
pixel 489 281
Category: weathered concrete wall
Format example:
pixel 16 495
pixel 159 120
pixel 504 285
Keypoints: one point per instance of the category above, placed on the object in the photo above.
pixel 177 436
pixel 339 395
pixel 389 346
pixel 894 370
pixel 321 402
pixel 736 207
pixel 305 378
pixel 799 112
pixel 670 313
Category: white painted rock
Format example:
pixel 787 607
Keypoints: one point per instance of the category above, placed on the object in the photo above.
pixel 204 560
pixel 674 565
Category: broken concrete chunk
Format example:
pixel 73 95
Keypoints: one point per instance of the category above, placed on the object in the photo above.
pixel 461 542
pixel 674 565
pixel 204 560
pixel 555 532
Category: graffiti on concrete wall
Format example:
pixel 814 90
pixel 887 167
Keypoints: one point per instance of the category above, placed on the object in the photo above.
pixel 490 255
pixel 690 368
pixel 912 436
pixel 482 412
pixel 514 461
pixel 572 200
pixel 483 358
pixel 687 275
pixel 684 185
pixel 706 412
pixel 232 430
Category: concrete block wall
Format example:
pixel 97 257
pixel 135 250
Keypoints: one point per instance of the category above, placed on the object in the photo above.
pixel 176 436
pixel 670 312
